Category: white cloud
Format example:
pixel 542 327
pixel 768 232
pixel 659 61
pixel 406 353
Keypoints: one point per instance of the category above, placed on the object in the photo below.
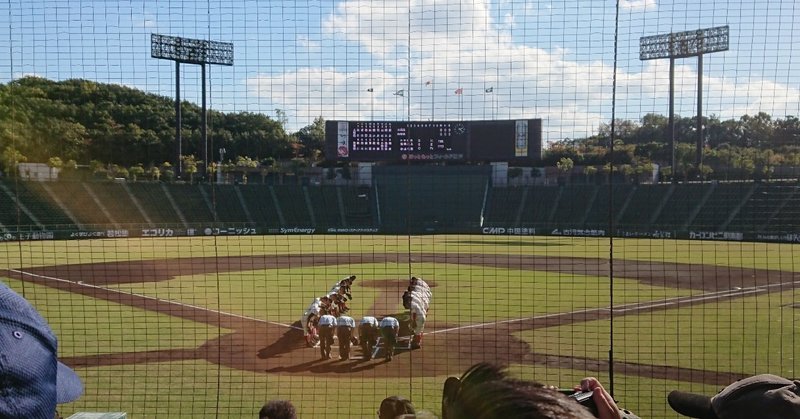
pixel 460 45
pixel 638 4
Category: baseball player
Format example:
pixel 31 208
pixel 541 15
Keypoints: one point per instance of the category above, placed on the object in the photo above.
pixel 344 331
pixel 407 297
pixel 326 325
pixel 309 318
pixel 343 287
pixel 338 305
pixel 418 303
pixel 368 335
pixel 418 314
pixel 390 327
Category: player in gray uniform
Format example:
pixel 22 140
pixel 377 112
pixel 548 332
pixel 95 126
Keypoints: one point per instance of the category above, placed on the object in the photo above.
pixel 344 331
pixel 368 335
pixel 326 325
pixel 390 327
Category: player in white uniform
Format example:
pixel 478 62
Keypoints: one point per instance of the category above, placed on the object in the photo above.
pixel 310 314
pixel 420 297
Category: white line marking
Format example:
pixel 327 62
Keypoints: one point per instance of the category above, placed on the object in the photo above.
pixel 672 301
pixel 177 303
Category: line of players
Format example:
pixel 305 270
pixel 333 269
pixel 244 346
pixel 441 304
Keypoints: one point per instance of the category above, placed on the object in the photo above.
pixel 328 313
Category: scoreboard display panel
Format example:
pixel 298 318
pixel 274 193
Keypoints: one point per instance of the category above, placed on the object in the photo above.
pixel 381 141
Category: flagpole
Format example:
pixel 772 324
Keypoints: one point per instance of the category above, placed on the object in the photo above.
pixel 433 105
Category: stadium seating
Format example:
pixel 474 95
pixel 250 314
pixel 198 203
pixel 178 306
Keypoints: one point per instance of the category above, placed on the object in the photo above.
pixel 635 213
pixel 538 206
pixel 9 214
pixel 42 205
pixel 226 203
pixel 156 203
pixel 359 206
pixel 326 205
pixel 82 204
pixel 116 199
pixel 786 215
pixel 503 206
pixel 402 200
pixel 431 198
pixel 723 200
pixel 259 200
pixel 597 213
pixel 680 205
pixel 192 203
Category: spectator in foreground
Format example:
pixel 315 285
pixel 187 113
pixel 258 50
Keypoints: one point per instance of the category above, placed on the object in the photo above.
pixel 486 392
pixel 278 409
pixel 394 406
pixel 32 380
pixel 764 396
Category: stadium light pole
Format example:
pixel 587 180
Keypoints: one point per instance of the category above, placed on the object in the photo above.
pixel 683 45
pixel 190 51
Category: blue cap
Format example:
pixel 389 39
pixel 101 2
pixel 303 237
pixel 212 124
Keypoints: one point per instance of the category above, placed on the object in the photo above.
pixel 34 381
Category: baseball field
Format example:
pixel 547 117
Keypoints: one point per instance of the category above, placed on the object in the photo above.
pixel 203 326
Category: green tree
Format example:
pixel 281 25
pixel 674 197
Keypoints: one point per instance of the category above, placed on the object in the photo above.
pixel 167 172
pixel 565 164
pixel 155 173
pixel 11 159
pixel 312 139
pixel 189 166
pixel 54 163
pixel 136 172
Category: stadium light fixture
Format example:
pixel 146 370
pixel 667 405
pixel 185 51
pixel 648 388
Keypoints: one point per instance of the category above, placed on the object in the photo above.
pixel 683 45
pixel 190 51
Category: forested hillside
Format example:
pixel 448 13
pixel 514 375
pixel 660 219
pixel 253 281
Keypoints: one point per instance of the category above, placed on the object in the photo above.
pixel 85 121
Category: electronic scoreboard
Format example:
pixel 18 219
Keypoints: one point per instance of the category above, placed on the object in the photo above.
pixel 372 141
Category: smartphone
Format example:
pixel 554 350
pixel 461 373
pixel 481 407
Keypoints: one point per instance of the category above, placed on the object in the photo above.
pixel 583 397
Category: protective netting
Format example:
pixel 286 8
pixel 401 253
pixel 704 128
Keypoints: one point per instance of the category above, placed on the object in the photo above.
pixel 517 156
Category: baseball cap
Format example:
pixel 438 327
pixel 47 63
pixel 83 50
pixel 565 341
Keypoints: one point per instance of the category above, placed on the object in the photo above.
pixel 764 396
pixel 34 381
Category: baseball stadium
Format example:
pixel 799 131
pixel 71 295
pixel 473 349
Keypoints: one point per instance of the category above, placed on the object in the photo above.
pixel 191 191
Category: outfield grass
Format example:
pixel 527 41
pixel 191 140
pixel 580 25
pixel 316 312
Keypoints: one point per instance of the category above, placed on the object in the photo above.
pixel 746 335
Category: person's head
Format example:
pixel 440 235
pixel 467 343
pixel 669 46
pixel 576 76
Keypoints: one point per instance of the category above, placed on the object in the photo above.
pixel 394 406
pixel 763 396
pixel 486 392
pixel 278 409
pixel 33 380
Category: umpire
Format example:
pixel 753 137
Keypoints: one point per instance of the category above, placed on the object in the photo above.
pixel 344 331
pixel 368 335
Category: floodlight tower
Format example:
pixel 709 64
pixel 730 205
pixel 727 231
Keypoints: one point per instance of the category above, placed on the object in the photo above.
pixel 190 51
pixel 682 45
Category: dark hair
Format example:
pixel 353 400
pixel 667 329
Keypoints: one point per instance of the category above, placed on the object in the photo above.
pixel 394 406
pixel 278 409
pixel 486 392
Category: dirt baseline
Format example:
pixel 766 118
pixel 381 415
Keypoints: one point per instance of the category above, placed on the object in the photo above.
pixel 261 346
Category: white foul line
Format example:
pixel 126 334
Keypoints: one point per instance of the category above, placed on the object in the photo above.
pixel 632 306
pixel 161 300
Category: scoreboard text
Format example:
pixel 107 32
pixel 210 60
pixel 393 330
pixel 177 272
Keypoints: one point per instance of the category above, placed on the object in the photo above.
pixel 433 140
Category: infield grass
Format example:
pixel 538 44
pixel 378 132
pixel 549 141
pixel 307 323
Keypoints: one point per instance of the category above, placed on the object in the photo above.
pixel 745 335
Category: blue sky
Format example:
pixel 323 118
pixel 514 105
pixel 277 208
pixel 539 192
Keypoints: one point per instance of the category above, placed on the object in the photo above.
pixel 550 60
